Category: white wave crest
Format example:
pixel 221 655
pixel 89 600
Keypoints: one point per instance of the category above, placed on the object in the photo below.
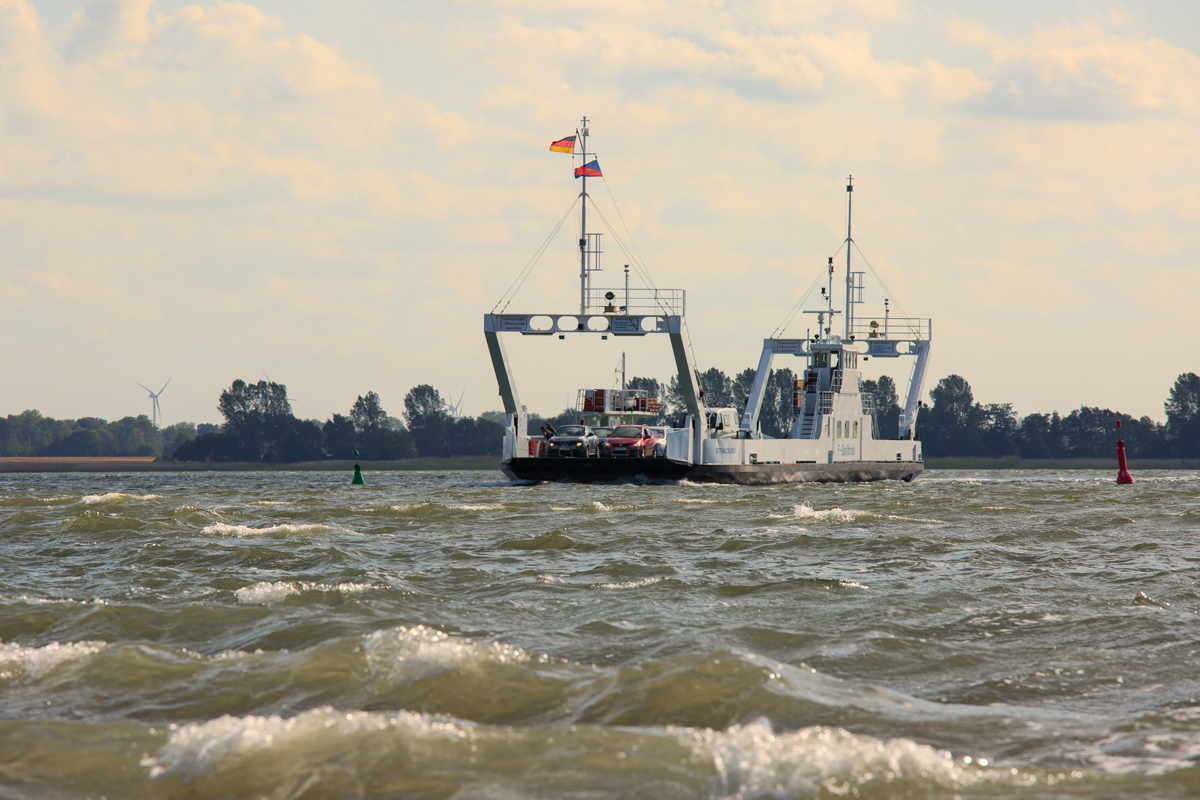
pixel 36 601
pixel 595 505
pixel 21 663
pixel 753 761
pixel 411 654
pixel 284 529
pixel 268 592
pixel 630 584
pixel 198 749
pixel 117 497
pixel 805 511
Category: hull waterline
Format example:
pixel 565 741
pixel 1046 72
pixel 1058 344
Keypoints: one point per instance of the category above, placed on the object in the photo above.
pixel 604 470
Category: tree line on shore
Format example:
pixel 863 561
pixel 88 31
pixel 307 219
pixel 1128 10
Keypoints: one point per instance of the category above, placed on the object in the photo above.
pixel 954 425
pixel 31 434
pixel 260 427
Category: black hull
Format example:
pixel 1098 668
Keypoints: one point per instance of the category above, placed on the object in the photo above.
pixel 603 470
pixel 594 470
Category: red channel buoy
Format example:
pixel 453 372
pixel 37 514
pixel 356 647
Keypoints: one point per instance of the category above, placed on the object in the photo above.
pixel 1123 475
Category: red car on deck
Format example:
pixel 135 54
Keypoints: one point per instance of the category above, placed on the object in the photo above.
pixel 629 441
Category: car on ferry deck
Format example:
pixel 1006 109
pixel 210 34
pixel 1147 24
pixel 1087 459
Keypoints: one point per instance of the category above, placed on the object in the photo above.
pixel 602 433
pixel 629 441
pixel 660 441
pixel 573 441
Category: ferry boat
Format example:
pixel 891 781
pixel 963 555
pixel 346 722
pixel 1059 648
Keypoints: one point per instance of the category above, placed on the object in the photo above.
pixel 833 436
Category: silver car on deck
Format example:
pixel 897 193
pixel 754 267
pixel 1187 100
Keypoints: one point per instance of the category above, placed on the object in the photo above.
pixel 573 441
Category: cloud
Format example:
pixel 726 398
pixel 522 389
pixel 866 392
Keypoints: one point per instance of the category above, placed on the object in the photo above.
pixel 1086 71
pixel 785 52
pixel 266 197
pixel 196 105
pixel 107 25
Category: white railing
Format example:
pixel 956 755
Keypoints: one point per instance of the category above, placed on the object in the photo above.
pixel 637 301
pixel 901 328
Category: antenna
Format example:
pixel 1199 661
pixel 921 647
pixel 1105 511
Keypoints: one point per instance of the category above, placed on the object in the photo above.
pixel 823 331
pixel 583 266
pixel 155 410
pixel 849 241
pixel 590 249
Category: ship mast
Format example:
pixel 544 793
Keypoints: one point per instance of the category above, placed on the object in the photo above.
pixel 849 243
pixel 583 270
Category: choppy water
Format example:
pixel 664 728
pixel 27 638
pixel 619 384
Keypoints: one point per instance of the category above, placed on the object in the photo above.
pixel 448 635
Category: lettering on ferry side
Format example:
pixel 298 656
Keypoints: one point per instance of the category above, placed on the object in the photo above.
pixel 725 451
pixel 846 450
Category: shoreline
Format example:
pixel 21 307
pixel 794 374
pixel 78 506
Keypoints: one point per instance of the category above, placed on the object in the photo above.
pixel 489 463
pixel 151 464
pixel 1015 462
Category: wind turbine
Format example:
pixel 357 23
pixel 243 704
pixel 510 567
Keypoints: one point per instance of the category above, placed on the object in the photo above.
pixel 154 409
pixel 268 377
pixel 455 408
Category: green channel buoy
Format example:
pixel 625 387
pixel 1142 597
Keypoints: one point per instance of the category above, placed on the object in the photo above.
pixel 358 481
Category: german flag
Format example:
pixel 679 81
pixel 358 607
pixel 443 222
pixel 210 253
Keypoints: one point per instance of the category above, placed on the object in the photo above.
pixel 566 145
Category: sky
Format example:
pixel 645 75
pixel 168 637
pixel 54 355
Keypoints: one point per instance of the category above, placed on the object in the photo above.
pixel 333 194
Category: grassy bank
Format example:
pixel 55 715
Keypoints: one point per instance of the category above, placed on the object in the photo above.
pixel 66 464
pixel 1013 462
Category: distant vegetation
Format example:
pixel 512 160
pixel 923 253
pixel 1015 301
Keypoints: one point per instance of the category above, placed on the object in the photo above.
pixel 955 425
pixel 31 434
pixel 260 427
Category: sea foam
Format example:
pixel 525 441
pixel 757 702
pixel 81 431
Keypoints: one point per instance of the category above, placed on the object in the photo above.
pixel 21 663
pixel 411 654
pixel 753 761
pixel 805 511
pixel 117 497
pixel 201 748
pixel 268 592
pixel 284 529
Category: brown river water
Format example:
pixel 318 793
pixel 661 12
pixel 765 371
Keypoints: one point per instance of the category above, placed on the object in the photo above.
pixel 986 634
